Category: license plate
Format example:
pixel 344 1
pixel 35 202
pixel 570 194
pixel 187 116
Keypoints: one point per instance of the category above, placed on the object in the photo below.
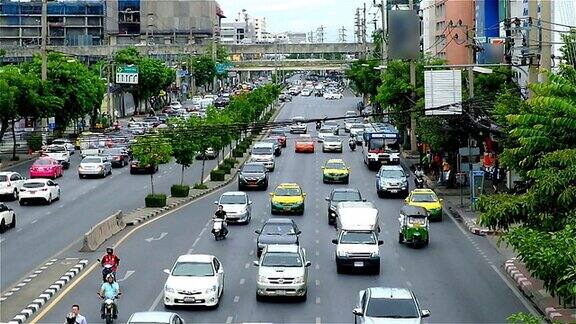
pixel 394 190
pixel 286 208
pixel 189 299
pixel 281 292
pixel 32 191
pixel 358 264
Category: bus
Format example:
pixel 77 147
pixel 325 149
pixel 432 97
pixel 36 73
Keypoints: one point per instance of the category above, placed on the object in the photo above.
pixel 381 145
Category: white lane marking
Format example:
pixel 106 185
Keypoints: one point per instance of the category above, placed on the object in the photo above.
pixel 316 231
pixel 515 291
pixel 34 221
pixel 317 253
pixel 48 212
pixel 251 252
pixel 191 251
pixel 317 241
pixel 317 266
pixel 236 299
pixel 318 320
pixel 2 240
pixel 60 206
pixel 318 300
pixel 150 239
pixel 19 230
pixel 317 282
pixel 127 275
pixel 402 268
pixel 247 265
pixel 408 283
pixel 242 281
pixel 195 242
pixel 229 319
pixel 202 232
pixel 156 301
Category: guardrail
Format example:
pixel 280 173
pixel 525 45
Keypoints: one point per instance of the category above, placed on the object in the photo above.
pixel 102 231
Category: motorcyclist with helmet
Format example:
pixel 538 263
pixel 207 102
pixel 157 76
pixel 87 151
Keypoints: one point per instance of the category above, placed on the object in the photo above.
pixel 110 263
pixel 352 143
pixel 110 289
pixel 221 214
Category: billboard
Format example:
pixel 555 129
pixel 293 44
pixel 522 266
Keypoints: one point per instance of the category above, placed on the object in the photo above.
pixel 403 34
pixel 443 92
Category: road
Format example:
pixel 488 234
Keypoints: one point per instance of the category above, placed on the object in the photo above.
pixel 455 277
pixel 42 231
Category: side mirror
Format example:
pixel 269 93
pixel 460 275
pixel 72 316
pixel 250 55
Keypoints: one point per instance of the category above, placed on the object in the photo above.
pixel 357 311
pixel 256 263
pixel 327 198
pixel 299 232
pixel 406 199
pixel 271 194
pixel 304 194
pixel 441 199
pixel 257 231
pixel 380 242
pixel 220 270
pixel 425 313
pixel 215 202
pixel 249 202
pixel 166 271
pixel 363 199
pixel 322 168
pixel 308 263
pixel 334 241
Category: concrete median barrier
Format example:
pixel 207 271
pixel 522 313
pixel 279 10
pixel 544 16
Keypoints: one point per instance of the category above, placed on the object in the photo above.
pixel 102 231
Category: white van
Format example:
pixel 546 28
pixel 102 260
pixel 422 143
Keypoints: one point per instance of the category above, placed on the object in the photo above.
pixel 357 245
pixel 263 153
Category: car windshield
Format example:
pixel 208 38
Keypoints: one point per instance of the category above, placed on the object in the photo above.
pixel 391 174
pixel 304 140
pixel 150 119
pixel 287 192
pixel 43 162
pixel 331 139
pixel 55 149
pixel 281 259
pixel 33 185
pixel 262 151
pixel 112 152
pixel 233 199
pixel 346 196
pixel 357 238
pixel 357 126
pixel 330 124
pixel 193 269
pixel 253 168
pixel 3 178
pixel 326 130
pixel 271 140
pixel 335 165
pixel 91 160
pixel 391 308
pixel 424 198
pixel 278 229
pixel 298 119
pixel 277 133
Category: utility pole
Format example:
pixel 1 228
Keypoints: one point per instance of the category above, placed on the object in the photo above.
pixel 471 55
pixel 311 37
pixel 413 144
pixel 533 42
pixel 545 38
pixel 342 34
pixel 214 54
pixel 108 90
pixel 357 26
pixel 320 34
pixel 44 34
pixel 383 15
pixel 364 26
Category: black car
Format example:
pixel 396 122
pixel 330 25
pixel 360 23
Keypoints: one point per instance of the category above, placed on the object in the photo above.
pixel 221 102
pixel 253 175
pixel 339 195
pixel 285 97
pixel 118 156
pixel 277 231
pixel 319 93
pixel 135 168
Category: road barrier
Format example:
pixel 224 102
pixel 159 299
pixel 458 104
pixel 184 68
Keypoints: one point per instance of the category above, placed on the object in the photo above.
pixel 102 231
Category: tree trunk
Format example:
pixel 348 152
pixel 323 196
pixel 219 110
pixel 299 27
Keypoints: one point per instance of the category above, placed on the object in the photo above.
pixel 4 128
pixel 152 182
pixel 13 140
pixel 202 171
pixel 182 175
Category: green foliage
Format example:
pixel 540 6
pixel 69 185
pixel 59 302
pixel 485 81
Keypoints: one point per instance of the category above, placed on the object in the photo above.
pixel 179 190
pixel 2 52
pixel 568 50
pixel 155 200
pixel 524 318
pixel 184 146
pixel 200 186
pixel 225 168
pixel 542 148
pixel 35 141
pixel 151 150
pixel 217 175
pixel 204 69
pixel 363 76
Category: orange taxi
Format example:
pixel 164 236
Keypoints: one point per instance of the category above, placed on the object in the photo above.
pixel 304 144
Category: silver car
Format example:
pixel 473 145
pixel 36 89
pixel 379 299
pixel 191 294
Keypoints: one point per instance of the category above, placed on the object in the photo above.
pixel 237 205
pixel 94 166
pixel 332 144
pixel 282 271
pixel 388 305
pixel 298 126
pixel 325 131
pixel 156 318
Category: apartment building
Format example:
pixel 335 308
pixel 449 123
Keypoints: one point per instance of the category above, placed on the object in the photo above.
pixel 453 18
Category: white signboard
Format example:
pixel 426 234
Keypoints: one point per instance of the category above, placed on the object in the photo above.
pixel 127 74
pixel 443 92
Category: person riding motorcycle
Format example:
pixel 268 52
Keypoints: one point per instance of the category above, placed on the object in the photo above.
pixel 109 259
pixel 70 318
pixel 109 290
pixel 318 125
pixel 221 214
pixel 419 173
pixel 352 143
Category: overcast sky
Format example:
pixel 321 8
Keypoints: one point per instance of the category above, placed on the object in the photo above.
pixel 303 15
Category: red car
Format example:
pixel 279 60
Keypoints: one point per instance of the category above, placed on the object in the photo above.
pixel 46 167
pixel 281 134
pixel 304 145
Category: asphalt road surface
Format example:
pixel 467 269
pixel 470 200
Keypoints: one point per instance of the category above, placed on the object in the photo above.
pixel 450 277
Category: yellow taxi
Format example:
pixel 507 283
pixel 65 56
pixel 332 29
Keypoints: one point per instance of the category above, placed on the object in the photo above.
pixel 335 170
pixel 287 198
pixel 428 199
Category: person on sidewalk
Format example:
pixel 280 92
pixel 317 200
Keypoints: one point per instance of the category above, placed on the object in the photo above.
pixel 79 318
pixel 495 176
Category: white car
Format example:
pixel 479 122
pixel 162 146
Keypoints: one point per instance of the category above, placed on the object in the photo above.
pixel 332 143
pixel 306 92
pixel 7 218
pixel 349 122
pixel 155 318
pixel 195 279
pixel 175 105
pixel 44 190
pixel 58 153
pixel 10 184
pixel 237 205
pixel 332 95
pixel 94 165
pixel 298 126
pixel 325 131
pixel 67 143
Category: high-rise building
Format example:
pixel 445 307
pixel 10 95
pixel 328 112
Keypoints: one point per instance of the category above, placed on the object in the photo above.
pixel 453 19
pixel 69 23
pixel 234 33
pixel 428 25
pixel 259 25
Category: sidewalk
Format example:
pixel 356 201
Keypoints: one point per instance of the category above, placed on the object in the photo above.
pixel 460 209
pixel 6 163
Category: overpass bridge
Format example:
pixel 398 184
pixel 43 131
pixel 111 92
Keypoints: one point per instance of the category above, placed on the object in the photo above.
pixel 290 65
pixel 175 50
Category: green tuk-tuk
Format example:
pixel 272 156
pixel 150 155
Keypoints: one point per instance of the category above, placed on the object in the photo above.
pixel 414 226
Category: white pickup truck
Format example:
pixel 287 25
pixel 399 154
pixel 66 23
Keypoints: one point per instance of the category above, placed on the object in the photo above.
pixel 59 153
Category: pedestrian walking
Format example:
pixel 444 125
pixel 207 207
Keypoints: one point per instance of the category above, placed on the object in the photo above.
pixel 496 176
pixel 79 318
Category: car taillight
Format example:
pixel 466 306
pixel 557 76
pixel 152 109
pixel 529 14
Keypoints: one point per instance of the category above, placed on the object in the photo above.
pixel 44 189
pixel 8 184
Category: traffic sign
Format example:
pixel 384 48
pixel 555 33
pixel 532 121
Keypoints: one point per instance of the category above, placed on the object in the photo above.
pixel 127 74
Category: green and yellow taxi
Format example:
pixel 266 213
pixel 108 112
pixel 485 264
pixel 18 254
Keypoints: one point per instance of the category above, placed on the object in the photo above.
pixel 287 198
pixel 335 170
pixel 428 199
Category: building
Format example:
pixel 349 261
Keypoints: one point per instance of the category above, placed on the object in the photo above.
pixel 296 37
pixel 234 33
pixel 453 19
pixel 259 31
pixel 161 22
pixel 70 23
pixel 428 25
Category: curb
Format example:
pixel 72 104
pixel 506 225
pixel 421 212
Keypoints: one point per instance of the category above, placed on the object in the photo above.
pixel 37 303
pixel 9 166
pixel 24 282
pixel 469 223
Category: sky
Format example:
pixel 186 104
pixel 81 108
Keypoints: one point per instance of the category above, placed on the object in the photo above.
pixel 303 15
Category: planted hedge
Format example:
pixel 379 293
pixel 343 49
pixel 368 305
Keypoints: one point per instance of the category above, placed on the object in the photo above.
pixel 179 190
pixel 155 200
pixel 217 175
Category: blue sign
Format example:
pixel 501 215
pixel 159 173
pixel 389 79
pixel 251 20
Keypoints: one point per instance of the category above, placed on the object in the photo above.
pixel 222 68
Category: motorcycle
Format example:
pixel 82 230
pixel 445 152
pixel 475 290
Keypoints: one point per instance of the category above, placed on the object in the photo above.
pixel 419 182
pixel 318 125
pixel 110 310
pixel 219 229
pixel 106 270
pixel 352 144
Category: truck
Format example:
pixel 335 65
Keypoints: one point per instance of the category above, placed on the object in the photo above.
pixel 381 145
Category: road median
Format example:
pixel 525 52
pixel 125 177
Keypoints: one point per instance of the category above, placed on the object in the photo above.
pixel 103 231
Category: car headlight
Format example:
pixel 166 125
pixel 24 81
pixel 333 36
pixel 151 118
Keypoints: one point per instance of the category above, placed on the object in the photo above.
pixel 374 254
pixel 241 176
pixel 100 168
pixel 211 289
pixel 341 253
pixel 299 280
pixel 169 289
pixel 262 279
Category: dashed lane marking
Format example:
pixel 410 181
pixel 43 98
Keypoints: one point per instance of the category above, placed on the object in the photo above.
pixel 408 283
pixel 318 300
pixel 402 268
pixel 251 252
pixel 247 265
pixel 34 221
pixel 317 282
pixel 229 319
pixel 317 266
pixel 195 242
pixel 316 231
pixel 236 299
pixel 317 241
pixel 318 320
pixel 191 251
pixel 242 281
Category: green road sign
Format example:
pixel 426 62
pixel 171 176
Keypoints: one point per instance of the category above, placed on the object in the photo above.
pixel 127 74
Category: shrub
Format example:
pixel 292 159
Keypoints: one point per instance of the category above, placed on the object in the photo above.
pixel 231 161
pixel 217 175
pixel 155 200
pixel 237 153
pixel 179 190
pixel 35 142
pixel 200 186
pixel 225 168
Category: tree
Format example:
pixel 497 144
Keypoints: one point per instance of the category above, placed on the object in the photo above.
pixel 364 77
pixel 152 150
pixel 204 70
pixel 542 150
pixel 184 148
pixel 569 49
